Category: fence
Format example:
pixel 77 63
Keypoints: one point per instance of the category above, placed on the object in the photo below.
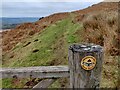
pixel 84 69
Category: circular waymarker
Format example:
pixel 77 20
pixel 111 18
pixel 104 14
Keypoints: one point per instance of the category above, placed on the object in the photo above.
pixel 88 62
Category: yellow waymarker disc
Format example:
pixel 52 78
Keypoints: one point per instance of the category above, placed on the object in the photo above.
pixel 88 62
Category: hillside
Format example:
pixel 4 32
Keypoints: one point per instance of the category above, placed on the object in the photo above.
pixel 46 41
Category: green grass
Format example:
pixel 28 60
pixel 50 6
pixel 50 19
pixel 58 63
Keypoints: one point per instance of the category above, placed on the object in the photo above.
pixel 63 32
pixel 6 83
pixel 52 44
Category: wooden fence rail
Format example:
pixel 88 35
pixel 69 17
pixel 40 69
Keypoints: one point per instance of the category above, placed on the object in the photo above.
pixel 84 69
pixel 44 83
pixel 36 72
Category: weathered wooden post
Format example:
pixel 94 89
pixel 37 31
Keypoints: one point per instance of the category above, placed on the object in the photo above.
pixel 85 63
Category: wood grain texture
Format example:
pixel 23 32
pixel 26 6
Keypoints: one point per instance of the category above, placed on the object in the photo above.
pixel 80 78
pixel 44 83
pixel 36 72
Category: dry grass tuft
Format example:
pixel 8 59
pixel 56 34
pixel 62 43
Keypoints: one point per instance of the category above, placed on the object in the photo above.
pixel 101 28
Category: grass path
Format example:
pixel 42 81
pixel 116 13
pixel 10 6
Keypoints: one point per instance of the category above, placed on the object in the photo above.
pixel 51 45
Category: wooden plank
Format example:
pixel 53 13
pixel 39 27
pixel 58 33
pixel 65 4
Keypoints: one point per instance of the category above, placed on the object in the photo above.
pixel 36 72
pixel 71 66
pixel 44 83
pixel 84 77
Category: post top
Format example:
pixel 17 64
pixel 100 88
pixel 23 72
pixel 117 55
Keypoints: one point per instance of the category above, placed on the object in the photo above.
pixel 88 47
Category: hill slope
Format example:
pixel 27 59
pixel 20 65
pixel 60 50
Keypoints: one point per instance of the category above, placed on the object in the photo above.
pixel 46 41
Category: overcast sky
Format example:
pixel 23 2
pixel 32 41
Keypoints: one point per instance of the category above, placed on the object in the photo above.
pixel 40 8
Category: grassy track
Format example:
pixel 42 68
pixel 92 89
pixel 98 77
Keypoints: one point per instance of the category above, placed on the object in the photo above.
pixel 52 45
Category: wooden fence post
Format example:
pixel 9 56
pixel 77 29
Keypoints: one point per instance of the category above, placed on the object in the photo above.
pixel 85 64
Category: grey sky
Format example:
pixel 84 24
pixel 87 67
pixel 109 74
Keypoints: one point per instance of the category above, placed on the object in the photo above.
pixel 39 9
